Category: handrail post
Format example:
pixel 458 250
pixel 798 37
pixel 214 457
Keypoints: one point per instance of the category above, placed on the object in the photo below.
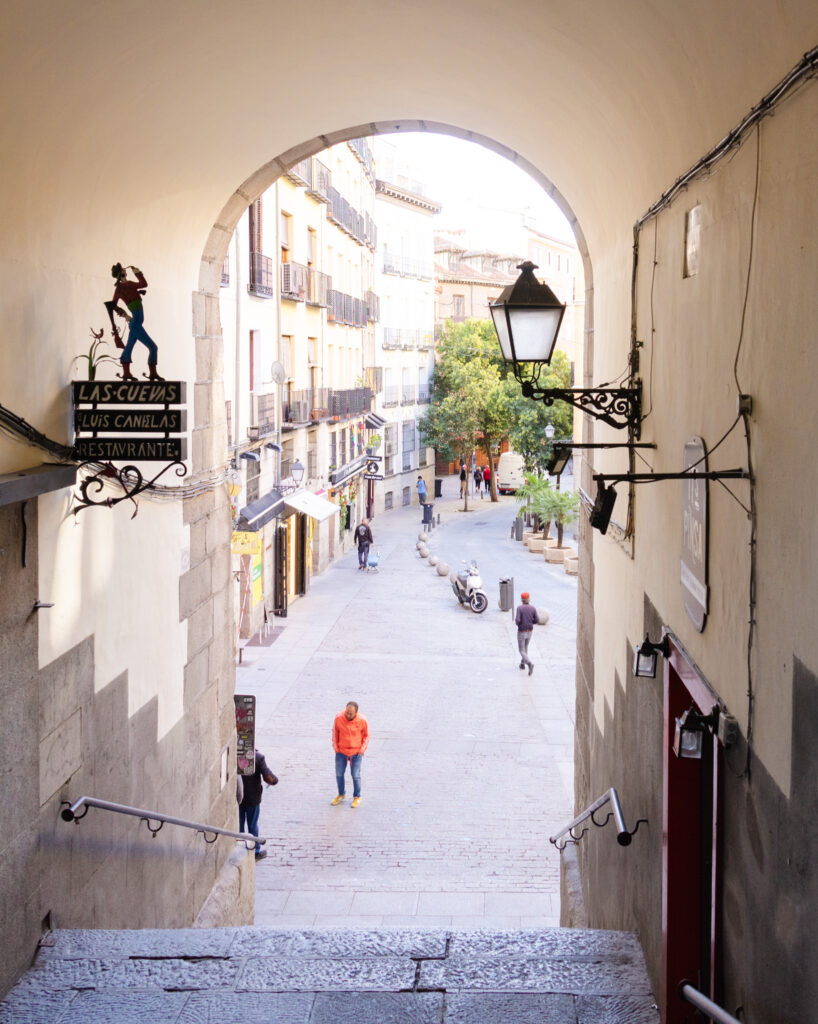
pixel 623 836
pixel 710 1009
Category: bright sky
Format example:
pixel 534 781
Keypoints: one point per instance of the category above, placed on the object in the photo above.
pixel 479 190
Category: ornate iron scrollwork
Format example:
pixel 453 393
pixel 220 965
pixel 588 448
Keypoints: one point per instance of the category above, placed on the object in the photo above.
pixel 129 478
pixel 620 408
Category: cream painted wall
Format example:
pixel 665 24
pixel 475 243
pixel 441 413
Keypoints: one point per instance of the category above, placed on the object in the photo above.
pixel 117 578
pixel 695 335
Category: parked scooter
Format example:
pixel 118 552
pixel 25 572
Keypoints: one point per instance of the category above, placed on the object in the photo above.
pixel 468 588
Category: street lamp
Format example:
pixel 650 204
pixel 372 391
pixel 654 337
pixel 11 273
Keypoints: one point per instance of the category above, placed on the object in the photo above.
pixel 527 317
pixel 297 472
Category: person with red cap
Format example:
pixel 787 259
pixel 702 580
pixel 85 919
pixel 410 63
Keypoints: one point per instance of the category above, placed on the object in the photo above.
pixel 526 619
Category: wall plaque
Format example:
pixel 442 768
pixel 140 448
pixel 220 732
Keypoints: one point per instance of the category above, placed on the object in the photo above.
pixel 245 733
pixel 695 591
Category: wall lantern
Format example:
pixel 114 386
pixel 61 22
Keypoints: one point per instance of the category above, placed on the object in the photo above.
pixel 251 456
pixel 527 316
pixel 273 446
pixel 690 731
pixel 646 654
pixel 297 472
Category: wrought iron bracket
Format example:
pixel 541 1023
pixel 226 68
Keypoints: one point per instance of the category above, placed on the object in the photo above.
pixel 649 478
pixel 620 408
pixel 129 478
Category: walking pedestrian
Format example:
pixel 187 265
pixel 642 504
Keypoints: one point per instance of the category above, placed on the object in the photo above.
pixel 526 619
pixel 363 538
pixel 350 738
pixel 463 480
pixel 486 479
pixel 250 801
pixel 478 479
pixel 421 486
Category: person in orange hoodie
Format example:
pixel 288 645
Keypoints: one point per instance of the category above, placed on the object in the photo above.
pixel 350 738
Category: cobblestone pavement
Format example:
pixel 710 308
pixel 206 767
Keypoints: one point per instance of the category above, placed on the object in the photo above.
pixel 334 976
pixel 470 765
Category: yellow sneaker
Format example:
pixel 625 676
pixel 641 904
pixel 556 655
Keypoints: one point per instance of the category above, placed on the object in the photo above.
pixel 356 801
pixel 338 800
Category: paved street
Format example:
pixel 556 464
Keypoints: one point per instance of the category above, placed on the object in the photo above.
pixel 470 764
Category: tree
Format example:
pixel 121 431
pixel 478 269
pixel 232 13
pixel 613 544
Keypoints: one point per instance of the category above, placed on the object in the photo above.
pixel 472 396
pixel 527 432
pixel 561 508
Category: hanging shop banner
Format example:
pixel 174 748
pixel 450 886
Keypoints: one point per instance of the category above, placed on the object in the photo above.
pixel 256 580
pixel 695 590
pixel 243 542
pixel 245 733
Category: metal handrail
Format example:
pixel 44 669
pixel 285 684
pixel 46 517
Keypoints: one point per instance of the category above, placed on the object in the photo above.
pixel 69 813
pixel 623 836
pixel 707 1006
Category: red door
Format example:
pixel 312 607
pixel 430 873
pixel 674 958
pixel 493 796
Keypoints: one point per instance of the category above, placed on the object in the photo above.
pixel 689 847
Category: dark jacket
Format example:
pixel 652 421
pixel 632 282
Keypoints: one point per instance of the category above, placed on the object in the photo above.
pixel 363 535
pixel 526 617
pixel 252 783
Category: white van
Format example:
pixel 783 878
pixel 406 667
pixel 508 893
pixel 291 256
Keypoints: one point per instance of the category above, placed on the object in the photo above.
pixel 510 470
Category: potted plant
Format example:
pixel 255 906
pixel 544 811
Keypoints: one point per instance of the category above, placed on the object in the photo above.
pixel 373 443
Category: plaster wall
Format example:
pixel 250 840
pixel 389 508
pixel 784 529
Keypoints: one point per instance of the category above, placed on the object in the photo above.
pixel 758 261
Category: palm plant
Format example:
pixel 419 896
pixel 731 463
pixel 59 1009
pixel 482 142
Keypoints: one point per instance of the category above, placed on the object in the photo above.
pixel 563 507
pixel 530 496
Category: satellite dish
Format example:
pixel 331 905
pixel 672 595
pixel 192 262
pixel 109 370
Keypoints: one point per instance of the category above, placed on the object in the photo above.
pixel 278 373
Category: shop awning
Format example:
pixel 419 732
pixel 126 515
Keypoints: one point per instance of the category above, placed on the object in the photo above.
pixel 373 421
pixel 258 513
pixel 347 472
pixel 311 504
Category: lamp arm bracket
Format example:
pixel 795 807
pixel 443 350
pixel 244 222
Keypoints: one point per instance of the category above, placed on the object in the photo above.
pixel 620 408
pixel 649 478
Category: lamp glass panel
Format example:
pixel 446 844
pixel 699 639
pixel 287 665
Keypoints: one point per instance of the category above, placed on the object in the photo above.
pixel 644 665
pixel 687 742
pixel 498 314
pixel 534 332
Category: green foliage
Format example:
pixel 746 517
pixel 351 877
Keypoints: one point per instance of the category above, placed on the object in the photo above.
pixel 560 508
pixel 531 491
pixel 527 433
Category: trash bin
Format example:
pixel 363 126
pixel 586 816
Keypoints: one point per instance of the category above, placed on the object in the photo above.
pixel 428 510
pixel 438 487
pixel 506 593
pixel 518 528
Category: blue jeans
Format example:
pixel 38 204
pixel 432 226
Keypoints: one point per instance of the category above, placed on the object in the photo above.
pixel 136 332
pixel 363 553
pixel 355 769
pixel 248 820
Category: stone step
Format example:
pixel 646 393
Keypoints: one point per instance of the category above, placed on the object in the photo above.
pixel 241 975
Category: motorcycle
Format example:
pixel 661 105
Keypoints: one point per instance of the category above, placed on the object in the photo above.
pixel 468 588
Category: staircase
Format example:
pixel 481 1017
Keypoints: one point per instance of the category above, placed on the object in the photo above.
pixel 255 975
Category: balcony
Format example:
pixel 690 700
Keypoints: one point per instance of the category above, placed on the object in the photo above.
pixel 320 181
pixel 306 405
pixel 408 338
pixel 300 174
pixel 423 397
pixel 318 288
pixel 262 413
pixel 261 276
pixel 391 395
pixel 373 307
pixel 407 394
pixel 391 263
pixel 348 403
pixel 345 309
pixel 391 338
pixel 294 281
pixel 426 340
pixel 360 147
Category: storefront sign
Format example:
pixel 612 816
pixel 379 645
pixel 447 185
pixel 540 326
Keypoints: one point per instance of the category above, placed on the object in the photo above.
pixel 243 542
pixel 694 536
pixel 256 581
pixel 112 449
pixel 124 392
pixel 130 421
pixel 245 733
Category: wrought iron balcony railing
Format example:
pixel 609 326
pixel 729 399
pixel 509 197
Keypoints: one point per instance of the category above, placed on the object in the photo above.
pixel 320 181
pixel 261 276
pixel 391 395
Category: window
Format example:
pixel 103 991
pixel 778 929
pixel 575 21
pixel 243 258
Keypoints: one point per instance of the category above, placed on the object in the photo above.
pixel 228 408
pixel 458 306
pixel 287 355
pixel 253 476
pixel 388 499
pixel 312 247
pixel 255 226
pixel 407 496
pixel 333 451
pixel 285 236
pixel 226 271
